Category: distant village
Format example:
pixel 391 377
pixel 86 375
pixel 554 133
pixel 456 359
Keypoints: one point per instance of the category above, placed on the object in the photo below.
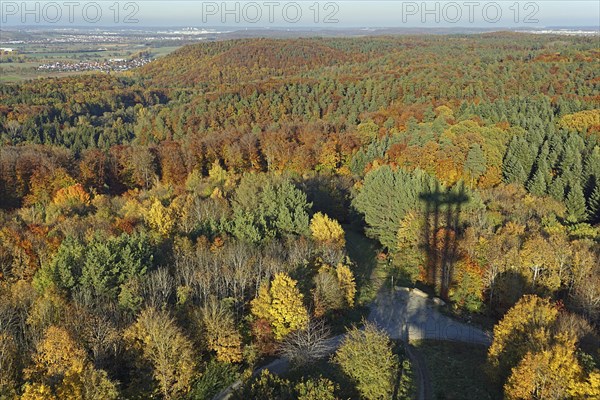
pixel 114 64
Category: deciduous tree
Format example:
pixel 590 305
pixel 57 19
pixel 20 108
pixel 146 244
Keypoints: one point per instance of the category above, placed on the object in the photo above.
pixel 552 374
pixel 281 305
pixel 366 356
pixel 161 344
pixel 220 332
pixel 327 230
pixel 527 327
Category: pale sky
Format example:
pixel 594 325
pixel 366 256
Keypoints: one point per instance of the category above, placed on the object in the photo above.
pixel 296 14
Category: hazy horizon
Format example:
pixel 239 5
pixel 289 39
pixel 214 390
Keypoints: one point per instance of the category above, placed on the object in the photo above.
pixel 303 14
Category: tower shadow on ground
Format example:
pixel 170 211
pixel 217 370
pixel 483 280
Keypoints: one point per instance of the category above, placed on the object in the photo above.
pixel 441 234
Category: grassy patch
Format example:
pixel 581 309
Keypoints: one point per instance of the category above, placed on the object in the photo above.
pixel 457 371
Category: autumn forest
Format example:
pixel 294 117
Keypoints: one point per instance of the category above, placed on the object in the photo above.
pixel 167 231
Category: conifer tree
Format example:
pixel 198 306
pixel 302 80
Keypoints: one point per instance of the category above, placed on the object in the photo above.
pixel 538 185
pixel 594 204
pixel 557 188
pixel 591 171
pixel 575 203
pixel 475 165
pixel 386 197
pixel 512 167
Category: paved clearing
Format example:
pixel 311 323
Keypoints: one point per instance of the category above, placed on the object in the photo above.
pixel 407 314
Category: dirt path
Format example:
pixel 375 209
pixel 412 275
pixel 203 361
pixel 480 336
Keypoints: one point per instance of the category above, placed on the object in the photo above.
pixel 421 372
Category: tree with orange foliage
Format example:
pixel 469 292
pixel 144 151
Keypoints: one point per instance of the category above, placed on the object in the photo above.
pixel 93 168
pixel 45 184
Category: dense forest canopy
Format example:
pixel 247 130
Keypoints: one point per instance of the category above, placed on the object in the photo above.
pixel 165 230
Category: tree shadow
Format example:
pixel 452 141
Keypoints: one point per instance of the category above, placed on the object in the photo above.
pixel 441 233
pixel 509 287
pixel 363 251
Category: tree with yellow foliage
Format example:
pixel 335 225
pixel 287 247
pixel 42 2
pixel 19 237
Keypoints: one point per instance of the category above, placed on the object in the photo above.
pixel 37 391
pixel 8 363
pixel 72 197
pixel 525 328
pixel 60 369
pixel 409 256
pixel 467 289
pixel 89 384
pixel 281 305
pixel 347 283
pixel 335 288
pixel 551 374
pixel 588 389
pixel 161 345
pixel 327 294
pixel 56 355
pixel 220 332
pixel 327 230
pixel 160 218
pixel 539 264
pixel 67 201
pixel 581 121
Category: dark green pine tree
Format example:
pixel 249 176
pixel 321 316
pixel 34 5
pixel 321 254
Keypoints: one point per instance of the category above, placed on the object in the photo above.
pixel 537 185
pixel 594 205
pixel 556 146
pixel 475 163
pixel 512 170
pixel 518 161
pixel 591 171
pixel 575 202
pixel 557 188
pixel 511 167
